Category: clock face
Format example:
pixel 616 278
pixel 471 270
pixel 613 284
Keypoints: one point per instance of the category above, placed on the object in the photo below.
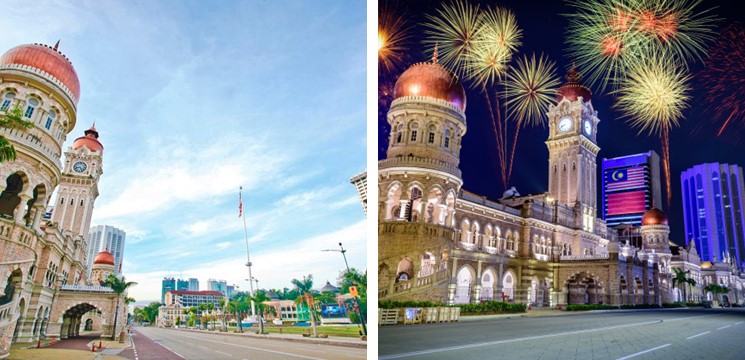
pixel 79 166
pixel 565 124
pixel 588 128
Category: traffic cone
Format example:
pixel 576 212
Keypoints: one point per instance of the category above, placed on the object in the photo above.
pixel 99 344
pixel 53 342
pixel 93 348
pixel 38 344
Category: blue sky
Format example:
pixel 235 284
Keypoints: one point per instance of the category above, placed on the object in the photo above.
pixel 194 99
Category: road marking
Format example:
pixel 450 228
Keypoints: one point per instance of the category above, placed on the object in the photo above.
pixel 203 347
pixel 644 352
pixel 253 348
pixel 703 333
pixel 220 352
pixel 724 327
pixel 738 323
pixel 468 346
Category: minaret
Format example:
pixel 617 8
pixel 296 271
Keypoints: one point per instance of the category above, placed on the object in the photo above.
pixel 78 188
pixel 573 149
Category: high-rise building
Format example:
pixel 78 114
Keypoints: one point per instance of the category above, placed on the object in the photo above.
pixel 360 182
pixel 109 238
pixel 182 285
pixel 193 284
pixel 168 284
pixel 713 211
pixel 219 285
pixel 631 186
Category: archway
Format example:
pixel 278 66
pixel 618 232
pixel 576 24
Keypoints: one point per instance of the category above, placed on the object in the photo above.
pixel 488 278
pixel 428 264
pixel 89 325
pixel 21 314
pixel 71 319
pixel 584 288
pixel 508 286
pixel 9 198
pixel 464 279
pixel 405 270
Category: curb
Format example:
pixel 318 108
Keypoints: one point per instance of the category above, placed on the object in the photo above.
pixel 332 342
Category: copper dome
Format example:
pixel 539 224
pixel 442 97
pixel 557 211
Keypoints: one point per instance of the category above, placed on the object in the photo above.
pixel 90 140
pixel 573 88
pixel 433 80
pixel 654 216
pixel 104 257
pixel 47 59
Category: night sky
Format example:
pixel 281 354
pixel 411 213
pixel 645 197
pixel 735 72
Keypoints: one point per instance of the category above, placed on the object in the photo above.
pixel 543 26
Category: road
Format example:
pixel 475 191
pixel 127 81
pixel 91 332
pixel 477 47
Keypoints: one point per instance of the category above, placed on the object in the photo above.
pixel 175 344
pixel 664 334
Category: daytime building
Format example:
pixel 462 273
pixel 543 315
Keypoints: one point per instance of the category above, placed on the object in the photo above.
pixel 193 284
pixel 360 183
pixel 43 261
pixel 109 238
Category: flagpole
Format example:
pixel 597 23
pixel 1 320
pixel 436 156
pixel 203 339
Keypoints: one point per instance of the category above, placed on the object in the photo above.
pixel 248 255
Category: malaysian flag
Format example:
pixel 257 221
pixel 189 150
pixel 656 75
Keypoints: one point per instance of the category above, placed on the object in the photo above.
pixel 625 179
pixel 631 202
pixel 240 202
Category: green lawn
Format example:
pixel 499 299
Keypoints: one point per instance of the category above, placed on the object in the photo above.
pixel 346 330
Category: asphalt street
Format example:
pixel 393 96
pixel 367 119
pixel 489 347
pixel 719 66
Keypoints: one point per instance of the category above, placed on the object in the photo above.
pixel 194 345
pixel 661 334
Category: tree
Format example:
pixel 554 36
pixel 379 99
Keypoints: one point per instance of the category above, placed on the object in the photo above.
pixel 304 287
pixel 354 277
pixel 681 278
pixel 717 290
pixel 11 119
pixel 259 298
pixel 119 286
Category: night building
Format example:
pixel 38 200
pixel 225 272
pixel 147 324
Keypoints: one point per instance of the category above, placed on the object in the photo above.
pixel 631 186
pixel 713 211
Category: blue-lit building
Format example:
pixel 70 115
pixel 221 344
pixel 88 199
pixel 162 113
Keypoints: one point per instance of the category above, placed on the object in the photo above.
pixel 713 211
pixel 631 186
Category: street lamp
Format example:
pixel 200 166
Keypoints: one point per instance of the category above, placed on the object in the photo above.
pixel 356 304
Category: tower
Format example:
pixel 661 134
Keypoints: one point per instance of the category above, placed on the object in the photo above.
pixel 78 187
pixel 655 231
pixel 103 266
pixel 572 147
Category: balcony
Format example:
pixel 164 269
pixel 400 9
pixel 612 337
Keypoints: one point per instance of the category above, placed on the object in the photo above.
pixel 467 246
pixel 490 250
pixel 583 257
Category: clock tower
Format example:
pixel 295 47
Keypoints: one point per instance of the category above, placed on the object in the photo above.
pixel 572 147
pixel 78 188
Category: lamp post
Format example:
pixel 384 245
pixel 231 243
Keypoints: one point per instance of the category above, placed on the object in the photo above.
pixel 356 304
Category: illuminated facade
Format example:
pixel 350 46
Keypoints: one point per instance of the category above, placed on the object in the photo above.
pixel 439 242
pixel 713 211
pixel 631 186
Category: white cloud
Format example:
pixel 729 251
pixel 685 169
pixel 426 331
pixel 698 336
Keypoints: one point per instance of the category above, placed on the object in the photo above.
pixel 223 245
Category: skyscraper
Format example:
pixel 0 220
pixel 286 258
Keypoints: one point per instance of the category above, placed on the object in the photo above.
pixel 168 284
pixel 713 211
pixel 193 284
pixel 360 182
pixel 182 285
pixel 631 186
pixel 106 237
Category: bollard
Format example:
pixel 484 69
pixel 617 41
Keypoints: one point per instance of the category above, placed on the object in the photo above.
pixel 38 344
pixel 99 344
pixel 93 348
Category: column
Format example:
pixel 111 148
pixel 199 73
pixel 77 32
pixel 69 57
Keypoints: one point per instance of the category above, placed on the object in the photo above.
pixel 21 208
pixel 39 212
pixel 402 209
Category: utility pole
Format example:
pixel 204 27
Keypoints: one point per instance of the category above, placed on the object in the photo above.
pixel 356 304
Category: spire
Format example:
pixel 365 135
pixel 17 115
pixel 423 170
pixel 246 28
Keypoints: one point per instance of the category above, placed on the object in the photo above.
pixel 434 56
pixel 56 45
pixel 573 75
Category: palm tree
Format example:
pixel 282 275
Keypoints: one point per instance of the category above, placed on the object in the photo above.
pixel 681 278
pixel 119 286
pixel 259 298
pixel 717 290
pixel 11 119
pixel 305 286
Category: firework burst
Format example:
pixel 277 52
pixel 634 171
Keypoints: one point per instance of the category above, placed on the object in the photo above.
pixel 530 88
pixel 393 34
pixel 606 37
pixel 453 30
pixel 653 96
pixel 724 81
pixel 497 38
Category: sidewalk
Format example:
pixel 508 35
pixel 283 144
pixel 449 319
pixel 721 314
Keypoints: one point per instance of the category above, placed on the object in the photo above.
pixel 331 340
pixel 21 351
pixel 553 312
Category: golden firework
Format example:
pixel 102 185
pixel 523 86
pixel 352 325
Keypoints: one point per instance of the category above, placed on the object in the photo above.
pixel 530 87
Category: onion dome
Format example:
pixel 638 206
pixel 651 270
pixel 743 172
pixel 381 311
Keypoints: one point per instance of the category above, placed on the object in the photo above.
pixel 573 88
pixel 329 288
pixel 654 216
pixel 90 140
pixel 431 79
pixel 47 59
pixel 104 258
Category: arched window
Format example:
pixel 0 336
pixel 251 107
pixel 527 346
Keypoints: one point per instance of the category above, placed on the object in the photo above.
pixel 31 105
pixel 50 119
pixel 7 99
pixel 414 131
pixel 399 133
pixel 81 202
pixel 447 138
pixel 432 130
